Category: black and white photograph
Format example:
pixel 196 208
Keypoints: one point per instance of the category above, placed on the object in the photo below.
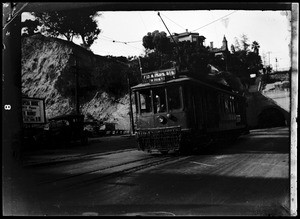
pixel 149 108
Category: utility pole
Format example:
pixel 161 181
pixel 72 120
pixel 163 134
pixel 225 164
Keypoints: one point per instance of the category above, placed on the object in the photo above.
pixel 75 67
pixel 130 103
pixel 264 59
pixel 269 58
pixel 140 64
pixel 76 90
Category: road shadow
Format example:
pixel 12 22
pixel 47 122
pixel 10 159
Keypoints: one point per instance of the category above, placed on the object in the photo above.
pixel 181 194
pixel 276 140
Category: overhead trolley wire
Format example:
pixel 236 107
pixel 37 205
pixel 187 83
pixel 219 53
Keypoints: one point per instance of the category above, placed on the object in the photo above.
pixel 116 41
pixel 137 41
pixel 173 21
pixel 143 22
pixel 215 20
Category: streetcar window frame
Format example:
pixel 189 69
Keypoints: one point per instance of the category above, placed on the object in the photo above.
pixel 180 102
pixel 152 92
pixel 149 101
pixel 159 98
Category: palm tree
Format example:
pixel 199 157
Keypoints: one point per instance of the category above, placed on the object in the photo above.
pixel 255 46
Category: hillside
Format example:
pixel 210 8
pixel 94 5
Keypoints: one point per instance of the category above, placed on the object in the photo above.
pixel 47 73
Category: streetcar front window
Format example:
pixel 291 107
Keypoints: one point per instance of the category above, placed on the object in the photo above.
pixel 145 101
pixel 174 98
pixel 159 100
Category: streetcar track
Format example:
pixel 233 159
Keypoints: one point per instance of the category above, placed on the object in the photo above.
pixel 93 171
pixel 151 161
pixel 65 185
pixel 96 170
pixel 74 158
pixel 126 171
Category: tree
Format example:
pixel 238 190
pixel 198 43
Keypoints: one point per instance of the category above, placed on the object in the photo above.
pixel 244 42
pixel 232 48
pixel 70 24
pixel 237 45
pixel 86 27
pixel 158 49
pixel 30 27
pixel 163 53
pixel 157 41
pixel 242 61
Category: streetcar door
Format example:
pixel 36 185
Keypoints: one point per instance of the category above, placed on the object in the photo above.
pixel 144 117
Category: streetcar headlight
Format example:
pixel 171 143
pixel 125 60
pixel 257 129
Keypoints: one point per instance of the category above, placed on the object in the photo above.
pixel 170 116
pixel 161 119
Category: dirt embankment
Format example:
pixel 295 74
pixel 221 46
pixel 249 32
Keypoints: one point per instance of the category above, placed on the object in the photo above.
pixel 47 68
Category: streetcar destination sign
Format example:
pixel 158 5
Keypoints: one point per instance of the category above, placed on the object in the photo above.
pixel 159 75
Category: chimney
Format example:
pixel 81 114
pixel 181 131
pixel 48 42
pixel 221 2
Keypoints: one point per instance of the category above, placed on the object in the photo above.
pixel 211 44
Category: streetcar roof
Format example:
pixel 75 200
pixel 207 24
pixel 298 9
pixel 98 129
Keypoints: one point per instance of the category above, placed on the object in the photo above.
pixel 184 79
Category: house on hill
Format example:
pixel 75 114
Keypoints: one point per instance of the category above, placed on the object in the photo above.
pixel 187 36
pixel 219 51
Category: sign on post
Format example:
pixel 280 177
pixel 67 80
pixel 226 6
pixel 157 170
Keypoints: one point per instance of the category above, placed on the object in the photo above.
pixel 33 110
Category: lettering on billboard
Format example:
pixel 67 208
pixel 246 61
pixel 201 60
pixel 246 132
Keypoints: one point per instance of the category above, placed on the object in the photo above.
pixel 33 110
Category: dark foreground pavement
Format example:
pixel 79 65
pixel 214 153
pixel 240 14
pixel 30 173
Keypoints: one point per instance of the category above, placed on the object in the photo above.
pixel 95 145
pixel 248 178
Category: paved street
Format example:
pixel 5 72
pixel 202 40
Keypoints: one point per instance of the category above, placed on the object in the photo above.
pixel 250 177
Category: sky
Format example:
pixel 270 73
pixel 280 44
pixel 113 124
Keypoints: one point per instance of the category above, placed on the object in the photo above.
pixel 122 31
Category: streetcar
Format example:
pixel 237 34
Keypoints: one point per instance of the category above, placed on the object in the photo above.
pixel 177 112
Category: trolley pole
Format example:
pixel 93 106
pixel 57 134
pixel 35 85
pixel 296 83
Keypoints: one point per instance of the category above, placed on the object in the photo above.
pixel 177 47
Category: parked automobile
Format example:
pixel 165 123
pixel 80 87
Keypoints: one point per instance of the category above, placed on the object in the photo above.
pixel 66 129
pixel 33 135
pixel 92 128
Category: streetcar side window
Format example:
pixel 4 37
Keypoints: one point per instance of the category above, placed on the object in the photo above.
pixel 159 100
pixel 136 101
pixel 174 98
pixel 145 101
pixel 232 105
pixel 227 109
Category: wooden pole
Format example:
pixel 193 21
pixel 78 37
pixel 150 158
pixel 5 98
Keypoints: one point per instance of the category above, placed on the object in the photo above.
pixel 130 108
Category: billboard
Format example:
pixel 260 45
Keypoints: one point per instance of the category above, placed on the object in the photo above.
pixel 33 110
